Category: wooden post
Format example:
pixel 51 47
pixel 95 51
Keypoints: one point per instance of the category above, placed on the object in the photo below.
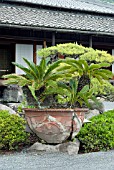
pixel 34 52
pixel 44 44
pixel 90 41
pixel 53 38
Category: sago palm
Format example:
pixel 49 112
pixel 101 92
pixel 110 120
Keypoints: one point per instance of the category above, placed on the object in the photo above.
pixel 36 76
pixel 66 93
pixel 86 71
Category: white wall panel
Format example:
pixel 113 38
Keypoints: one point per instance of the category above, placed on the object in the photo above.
pixel 38 58
pixel 23 51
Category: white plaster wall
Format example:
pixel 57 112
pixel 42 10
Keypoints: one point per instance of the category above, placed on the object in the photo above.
pixel 38 58
pixel 23 51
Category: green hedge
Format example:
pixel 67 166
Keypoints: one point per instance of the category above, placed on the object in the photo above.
pixel 104 89
pixel 12 131
pixel 99 134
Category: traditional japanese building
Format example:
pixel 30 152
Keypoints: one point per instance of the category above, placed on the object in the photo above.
pixel 29 25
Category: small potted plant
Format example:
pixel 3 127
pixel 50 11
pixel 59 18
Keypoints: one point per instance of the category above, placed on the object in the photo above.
pixel 65 85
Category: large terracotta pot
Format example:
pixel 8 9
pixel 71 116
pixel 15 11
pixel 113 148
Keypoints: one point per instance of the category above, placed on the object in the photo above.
pixel 55 125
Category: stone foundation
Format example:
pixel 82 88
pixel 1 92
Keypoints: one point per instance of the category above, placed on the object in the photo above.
pixel 71 148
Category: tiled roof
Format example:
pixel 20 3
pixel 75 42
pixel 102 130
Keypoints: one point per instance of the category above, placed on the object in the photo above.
pixel 84 5
pixel 34 18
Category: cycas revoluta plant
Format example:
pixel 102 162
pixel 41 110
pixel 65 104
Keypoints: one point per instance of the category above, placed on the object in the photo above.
pixel 36 76
pixel 67 93
pixel 87 72
pixel 53 79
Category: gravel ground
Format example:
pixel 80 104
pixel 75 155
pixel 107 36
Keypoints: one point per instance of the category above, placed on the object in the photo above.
pixel 58 161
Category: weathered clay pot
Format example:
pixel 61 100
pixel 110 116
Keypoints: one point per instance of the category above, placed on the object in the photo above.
pixel 55 125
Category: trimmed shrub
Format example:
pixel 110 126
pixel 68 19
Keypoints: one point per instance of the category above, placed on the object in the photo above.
pixel 12 131
pixel 99 134
pixel 105 89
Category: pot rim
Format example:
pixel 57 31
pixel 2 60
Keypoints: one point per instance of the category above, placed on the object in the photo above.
pixel 57 109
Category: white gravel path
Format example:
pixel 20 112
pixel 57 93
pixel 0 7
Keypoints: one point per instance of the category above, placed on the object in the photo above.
pixel 58 161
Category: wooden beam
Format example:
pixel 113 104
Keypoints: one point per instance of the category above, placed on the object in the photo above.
pixel 34 52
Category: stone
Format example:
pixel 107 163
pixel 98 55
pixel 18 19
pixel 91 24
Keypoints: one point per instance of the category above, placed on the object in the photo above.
pixel 13 106
pixel 86 121
pixel 96 105
pixel 91 113
pixel 101 99
pixel 27 129
pixel 4 107
pixel 42 147
pixel 73 148
pixel 13 93
pixel 69 147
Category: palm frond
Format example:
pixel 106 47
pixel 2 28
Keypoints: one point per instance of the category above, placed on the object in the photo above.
pixel 98 66
pixel 52 67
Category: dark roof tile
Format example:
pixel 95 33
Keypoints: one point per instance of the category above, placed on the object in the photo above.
pixel 34 17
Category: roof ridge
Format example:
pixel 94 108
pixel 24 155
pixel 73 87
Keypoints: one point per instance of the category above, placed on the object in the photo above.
pixel 98 2
pixel 89 5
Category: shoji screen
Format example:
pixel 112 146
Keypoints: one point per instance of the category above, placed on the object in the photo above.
pixel 38 59
pixel 23 50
